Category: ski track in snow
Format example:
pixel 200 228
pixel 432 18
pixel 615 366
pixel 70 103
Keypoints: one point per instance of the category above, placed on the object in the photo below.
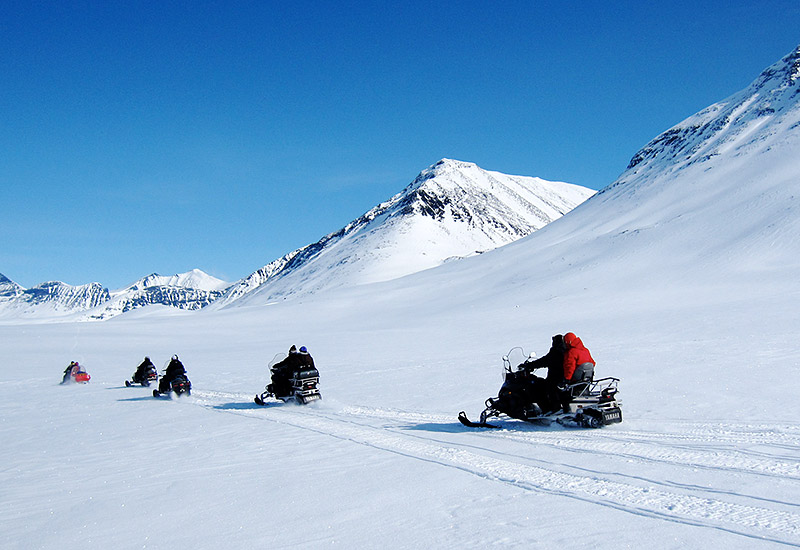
pixel 392 430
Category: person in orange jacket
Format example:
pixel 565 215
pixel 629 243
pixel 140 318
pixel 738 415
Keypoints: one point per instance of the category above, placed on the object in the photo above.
pixel 578 366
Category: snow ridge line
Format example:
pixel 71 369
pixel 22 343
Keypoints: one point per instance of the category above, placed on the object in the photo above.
pixel 749 521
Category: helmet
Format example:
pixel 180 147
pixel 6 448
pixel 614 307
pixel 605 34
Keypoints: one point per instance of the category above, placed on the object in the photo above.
pixel 293 349
pixel 569 338
pixel 303 349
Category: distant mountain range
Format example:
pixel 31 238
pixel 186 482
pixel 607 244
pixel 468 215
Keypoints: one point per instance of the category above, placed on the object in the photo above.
pixel 192 290
pixel 451 210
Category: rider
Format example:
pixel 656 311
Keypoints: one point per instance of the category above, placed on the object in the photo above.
pixel 141 371
pixel 578 367
pixel 547 396
pixel 72 369
pixel 305 358
pixel 282 371
pixel 174 370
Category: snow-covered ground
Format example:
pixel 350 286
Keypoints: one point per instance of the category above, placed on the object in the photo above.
pixel 681 279
pixel 705 457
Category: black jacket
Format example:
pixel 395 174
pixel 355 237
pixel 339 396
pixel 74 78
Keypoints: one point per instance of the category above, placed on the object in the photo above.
pixel 291 362
pixel 553 361
pixel 306 360
pixel 174 369
pixel 142 368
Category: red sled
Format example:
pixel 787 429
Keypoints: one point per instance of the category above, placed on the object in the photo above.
pixel 82 377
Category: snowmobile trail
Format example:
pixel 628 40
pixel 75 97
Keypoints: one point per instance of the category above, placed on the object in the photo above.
pixel 678 449
pixel 511 457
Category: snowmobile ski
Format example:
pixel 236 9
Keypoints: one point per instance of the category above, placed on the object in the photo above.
pixel 129 384
pixel 259 401
pixel 462 417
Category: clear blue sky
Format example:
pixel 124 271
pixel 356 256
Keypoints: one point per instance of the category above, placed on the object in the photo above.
pixel 140 137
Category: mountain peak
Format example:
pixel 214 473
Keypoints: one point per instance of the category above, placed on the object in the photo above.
pixel 452 164
pixel 8 288
pixel 440 168
pixel 195 279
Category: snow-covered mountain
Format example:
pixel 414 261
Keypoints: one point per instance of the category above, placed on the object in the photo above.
pixel 52 298
pixel 451 210
pixel 194 279
pixel 734 127
pixel 715 198
pixel 191 290
pixel 9 289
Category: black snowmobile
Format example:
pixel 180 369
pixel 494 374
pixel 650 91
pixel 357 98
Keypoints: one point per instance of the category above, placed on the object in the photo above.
pixel 149 376
pixel 299 385
pixel 524 396
pixel 174 380
pixel 180 385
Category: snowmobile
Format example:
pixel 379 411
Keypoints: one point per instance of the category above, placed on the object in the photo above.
pixel 180 385
pixel 150 375
pixel 75 373
pixel 174 380
pixel 301 385
pixel 593 403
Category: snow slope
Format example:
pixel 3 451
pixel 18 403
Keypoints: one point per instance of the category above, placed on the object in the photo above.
pixel 680 277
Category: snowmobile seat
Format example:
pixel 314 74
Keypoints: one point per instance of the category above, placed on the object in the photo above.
pixel 307 372
pixel 583 373
pixel 581 380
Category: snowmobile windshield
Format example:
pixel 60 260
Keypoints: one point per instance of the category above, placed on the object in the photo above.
pixel 513 360
pixel 277 359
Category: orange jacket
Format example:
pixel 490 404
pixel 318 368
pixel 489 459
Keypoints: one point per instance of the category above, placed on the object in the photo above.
pixel 576 355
